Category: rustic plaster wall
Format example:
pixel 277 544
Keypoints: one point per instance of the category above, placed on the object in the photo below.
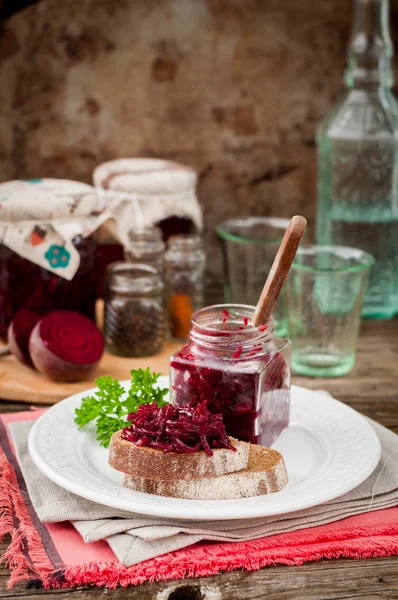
pixel 234 88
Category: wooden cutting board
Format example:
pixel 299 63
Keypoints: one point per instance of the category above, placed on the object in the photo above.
pixel 18 382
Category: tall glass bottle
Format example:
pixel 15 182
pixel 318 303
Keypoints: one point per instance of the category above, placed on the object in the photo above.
pixel 357 159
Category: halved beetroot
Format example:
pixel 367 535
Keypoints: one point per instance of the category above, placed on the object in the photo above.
pixel 66 346
pixel 19 332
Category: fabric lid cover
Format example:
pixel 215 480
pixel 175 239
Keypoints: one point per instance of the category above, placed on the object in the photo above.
pixel 40 217
pixel 141 192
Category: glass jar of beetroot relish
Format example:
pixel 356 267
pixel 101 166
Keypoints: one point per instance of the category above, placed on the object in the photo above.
pixel 24 284
pixel 241 371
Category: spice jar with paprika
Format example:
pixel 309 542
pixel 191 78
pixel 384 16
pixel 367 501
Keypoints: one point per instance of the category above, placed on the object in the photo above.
pixel 184 270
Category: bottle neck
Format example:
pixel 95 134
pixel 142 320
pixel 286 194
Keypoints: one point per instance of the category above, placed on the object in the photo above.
pixel 370 49
pixel 225 331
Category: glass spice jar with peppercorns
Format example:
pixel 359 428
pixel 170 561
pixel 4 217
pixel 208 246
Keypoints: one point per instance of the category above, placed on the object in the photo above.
pixel 134 319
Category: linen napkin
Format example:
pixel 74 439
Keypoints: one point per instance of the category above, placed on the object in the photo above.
pixel 53 555
pixel 135 538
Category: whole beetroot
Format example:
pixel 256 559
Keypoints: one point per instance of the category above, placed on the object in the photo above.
pixel 66 346
pixel 19 332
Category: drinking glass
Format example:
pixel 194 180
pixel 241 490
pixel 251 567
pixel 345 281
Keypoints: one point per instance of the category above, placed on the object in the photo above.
pixel 249 247
pixel 325 291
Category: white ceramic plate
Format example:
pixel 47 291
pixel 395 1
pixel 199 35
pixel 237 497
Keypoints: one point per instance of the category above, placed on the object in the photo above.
pixel 328 449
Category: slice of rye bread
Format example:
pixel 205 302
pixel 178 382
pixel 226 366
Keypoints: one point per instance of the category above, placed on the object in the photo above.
pixel 142 461
pixel 265 474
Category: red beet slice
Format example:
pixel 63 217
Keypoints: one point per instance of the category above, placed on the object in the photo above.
pixel 19 332
pixel 66 346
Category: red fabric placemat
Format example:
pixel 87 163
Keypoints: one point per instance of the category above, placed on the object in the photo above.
pixel 54 555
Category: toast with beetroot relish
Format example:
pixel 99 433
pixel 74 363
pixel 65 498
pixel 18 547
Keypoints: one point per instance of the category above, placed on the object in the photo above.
pixel 265 474
pixel 185 452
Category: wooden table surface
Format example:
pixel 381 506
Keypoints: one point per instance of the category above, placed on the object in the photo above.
pixel 372 389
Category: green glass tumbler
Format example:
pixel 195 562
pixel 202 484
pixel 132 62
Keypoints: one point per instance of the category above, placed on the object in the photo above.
pixel 249 247
pixel 325 291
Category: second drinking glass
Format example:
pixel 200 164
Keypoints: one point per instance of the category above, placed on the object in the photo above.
pixel 325 291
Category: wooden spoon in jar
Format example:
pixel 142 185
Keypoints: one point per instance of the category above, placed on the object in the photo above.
pixel 279 270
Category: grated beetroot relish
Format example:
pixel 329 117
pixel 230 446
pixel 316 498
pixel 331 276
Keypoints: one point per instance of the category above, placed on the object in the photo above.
pixel 182 430
pixel 234 394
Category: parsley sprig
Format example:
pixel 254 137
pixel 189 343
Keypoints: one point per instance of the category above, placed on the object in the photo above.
pixel 110 405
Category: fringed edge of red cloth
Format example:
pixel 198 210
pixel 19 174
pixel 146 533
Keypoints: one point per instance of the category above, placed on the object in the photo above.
pixel 27 559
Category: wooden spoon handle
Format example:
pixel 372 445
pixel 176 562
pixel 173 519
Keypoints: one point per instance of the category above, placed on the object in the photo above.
pixel 279 270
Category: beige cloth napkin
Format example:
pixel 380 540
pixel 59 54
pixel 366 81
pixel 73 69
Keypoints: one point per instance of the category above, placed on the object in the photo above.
pixel 135 538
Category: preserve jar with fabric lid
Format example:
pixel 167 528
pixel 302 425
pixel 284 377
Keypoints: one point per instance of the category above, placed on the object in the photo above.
pixel 148 192
pixel 47 251
pixel 184 277
pixel 241 371
pixel 134 319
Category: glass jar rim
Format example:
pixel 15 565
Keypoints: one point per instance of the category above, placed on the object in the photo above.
pixel 152 233
pixel 215 338
pixel 136 278
pixel 184 241
pixel 148 239
pixel 155 247
pixel 275 222
pixel 367 260
pixel 229 308
pixel 184 250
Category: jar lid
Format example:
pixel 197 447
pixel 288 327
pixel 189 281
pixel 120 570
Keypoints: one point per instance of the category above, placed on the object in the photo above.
pixel 133 279
pixel 47 200
pixel 145 176
pixel 39 218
